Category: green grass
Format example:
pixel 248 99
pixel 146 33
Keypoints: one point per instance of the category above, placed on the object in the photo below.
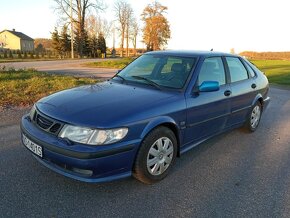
pixel 114 64
pixel 277 71
pixel 24 87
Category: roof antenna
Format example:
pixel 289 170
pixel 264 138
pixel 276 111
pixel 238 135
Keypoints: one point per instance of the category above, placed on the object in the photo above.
pixel 211 49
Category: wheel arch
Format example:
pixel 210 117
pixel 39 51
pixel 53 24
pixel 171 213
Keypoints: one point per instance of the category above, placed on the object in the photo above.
pixel 166 122
pixel 259 98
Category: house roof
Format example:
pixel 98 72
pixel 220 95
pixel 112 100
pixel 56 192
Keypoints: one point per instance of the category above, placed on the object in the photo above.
pixel 19 35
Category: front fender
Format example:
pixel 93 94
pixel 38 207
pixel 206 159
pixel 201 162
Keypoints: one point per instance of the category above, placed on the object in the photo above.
pixel 157 121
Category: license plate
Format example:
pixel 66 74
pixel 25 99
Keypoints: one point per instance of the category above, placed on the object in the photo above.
pixel 36 149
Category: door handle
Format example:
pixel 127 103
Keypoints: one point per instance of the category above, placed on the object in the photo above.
pixel 253 86
pixel 227 93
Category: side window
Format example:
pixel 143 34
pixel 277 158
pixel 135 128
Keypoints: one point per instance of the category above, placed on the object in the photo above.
pixel 250 70
pixel 212 69
pixel 237 70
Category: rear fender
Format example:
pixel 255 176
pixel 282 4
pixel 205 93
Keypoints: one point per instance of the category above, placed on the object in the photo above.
pixel 256 99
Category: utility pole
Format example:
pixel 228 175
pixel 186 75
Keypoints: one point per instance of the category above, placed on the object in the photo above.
pixel 72 31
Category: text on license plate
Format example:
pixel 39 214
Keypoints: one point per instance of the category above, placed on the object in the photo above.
pixel 36 149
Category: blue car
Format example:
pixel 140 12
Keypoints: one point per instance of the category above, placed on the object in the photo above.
pixel 155 109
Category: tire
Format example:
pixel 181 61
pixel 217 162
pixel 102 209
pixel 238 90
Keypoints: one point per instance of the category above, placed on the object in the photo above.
pixel 254 117
pixel 156 156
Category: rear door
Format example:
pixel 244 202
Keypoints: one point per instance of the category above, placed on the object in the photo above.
pixel 207 112
pixel 242 84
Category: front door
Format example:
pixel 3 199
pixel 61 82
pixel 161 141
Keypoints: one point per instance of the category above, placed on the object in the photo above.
pixel 207 112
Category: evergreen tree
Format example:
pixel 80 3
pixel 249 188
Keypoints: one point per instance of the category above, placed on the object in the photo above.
pixel 39 48
pixel 77 42
pixel 32 55
pixel 64 41
pixel 86 44
pixel 56 41
pixel 102 44
pixel 19 54
pixel 5 54
pixel 10 54
pixel 93 46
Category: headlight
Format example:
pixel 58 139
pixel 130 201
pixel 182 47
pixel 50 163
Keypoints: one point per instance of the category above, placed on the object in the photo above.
pixel 32 112
pixel 92 136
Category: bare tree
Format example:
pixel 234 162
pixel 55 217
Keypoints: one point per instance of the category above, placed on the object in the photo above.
pixel 129 15
pixel 123 12
pixel 96 25
pixel 80 9
pixel 134 33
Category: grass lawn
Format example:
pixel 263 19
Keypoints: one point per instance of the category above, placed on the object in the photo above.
pixel 277 71
pixel 115 64
pixel 24 87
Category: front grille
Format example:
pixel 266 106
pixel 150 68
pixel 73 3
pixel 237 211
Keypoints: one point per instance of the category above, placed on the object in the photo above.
pixel 46 123
pixel 55 128
pixel 43 122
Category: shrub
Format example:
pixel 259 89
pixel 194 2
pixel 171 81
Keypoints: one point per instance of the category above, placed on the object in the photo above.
pixel 10 54
pixel 31 55
pixel 19 54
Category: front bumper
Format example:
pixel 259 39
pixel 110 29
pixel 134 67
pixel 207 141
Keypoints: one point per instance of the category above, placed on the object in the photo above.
pixel 82 162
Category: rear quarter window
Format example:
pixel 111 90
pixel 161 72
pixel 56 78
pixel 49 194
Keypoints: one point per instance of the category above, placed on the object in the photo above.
pixel 238 72
pixel 250 70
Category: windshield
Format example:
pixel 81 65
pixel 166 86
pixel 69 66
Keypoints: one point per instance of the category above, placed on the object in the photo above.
pixel 159 70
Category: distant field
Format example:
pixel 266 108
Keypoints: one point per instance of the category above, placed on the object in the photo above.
pixel 277 71
pixel 24 87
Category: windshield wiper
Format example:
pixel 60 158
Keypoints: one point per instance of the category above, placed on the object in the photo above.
pixel 152 83
pixel 117 75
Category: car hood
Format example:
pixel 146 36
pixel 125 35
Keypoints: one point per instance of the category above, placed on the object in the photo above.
pixel 106 104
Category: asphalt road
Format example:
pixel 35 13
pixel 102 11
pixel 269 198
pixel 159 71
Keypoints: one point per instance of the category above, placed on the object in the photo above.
pixel 233 175
pixel 66 67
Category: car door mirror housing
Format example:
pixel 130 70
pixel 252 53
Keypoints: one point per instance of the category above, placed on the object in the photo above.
pixel 209 86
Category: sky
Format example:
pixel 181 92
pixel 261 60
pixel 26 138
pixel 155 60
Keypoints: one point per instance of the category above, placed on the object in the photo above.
pixel 245 25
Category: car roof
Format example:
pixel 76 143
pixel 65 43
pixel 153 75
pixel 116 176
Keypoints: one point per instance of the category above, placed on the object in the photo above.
pixel 187 53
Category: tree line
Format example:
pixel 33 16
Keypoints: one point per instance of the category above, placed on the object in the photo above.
pixel 90 46
pixel 91 30
pixel 266 55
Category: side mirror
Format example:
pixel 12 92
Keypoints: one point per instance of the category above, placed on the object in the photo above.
pixel 209 86
pixel 118 71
